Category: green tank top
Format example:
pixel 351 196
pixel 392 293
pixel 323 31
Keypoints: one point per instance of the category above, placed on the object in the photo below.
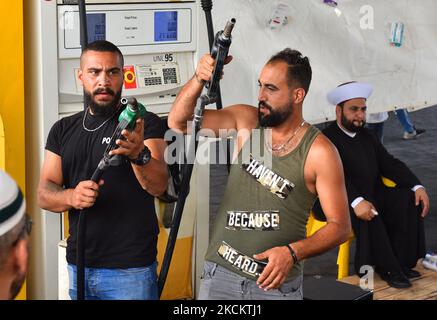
pixel 266 204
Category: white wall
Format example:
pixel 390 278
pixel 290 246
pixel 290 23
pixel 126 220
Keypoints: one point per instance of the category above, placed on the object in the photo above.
pixel 339 47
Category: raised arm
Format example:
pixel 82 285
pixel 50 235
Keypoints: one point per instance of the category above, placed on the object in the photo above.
pixel 233 117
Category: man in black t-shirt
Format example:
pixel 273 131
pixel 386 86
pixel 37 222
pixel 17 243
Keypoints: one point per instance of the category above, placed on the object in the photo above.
pixel 121 226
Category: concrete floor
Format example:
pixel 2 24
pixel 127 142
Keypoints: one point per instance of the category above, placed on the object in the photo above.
pixel 418 154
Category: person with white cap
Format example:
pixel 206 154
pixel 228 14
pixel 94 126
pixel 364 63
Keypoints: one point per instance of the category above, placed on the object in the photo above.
pixel 14 231
pixel 387 222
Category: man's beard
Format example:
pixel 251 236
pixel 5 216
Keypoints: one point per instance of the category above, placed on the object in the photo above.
pixel 104 108
pixel 276 117
pixel 350 126
pixel 16 286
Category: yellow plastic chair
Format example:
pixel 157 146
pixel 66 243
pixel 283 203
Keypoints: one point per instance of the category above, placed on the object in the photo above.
pixel 343 252
pixel 388 182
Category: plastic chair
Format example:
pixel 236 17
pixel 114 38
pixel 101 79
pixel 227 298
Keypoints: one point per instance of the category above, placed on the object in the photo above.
pixel 343 252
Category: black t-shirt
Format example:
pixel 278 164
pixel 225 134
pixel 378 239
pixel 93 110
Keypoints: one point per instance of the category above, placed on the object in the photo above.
pixel 121 227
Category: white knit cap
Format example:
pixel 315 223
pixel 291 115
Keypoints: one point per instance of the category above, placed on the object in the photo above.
pixel 349 91
pixel 12 204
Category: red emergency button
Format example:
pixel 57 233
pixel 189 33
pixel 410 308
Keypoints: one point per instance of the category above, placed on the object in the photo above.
pixel 130 80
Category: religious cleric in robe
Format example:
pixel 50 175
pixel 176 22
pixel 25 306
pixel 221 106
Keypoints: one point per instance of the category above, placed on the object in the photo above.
pixel 387 222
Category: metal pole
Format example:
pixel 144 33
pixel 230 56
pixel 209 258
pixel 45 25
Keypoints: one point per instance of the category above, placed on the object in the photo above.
pixel 83 24
pixel 81 227
pixel 182 197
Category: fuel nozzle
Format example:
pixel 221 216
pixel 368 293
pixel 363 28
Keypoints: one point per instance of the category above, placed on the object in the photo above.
pixel 130 102
pixel 219 52
pixel 228 28
pixel 133 110
pixel 223 38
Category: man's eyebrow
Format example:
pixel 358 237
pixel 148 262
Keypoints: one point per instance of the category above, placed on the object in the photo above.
pixel 100 69
pixel 271 85
pixel 268 85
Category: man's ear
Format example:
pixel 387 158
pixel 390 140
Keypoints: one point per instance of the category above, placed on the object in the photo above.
pixel 20 256
pixel 80 75
pixel 299 95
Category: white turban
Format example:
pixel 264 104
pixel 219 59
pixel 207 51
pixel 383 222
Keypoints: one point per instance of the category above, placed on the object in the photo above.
pixel 350 91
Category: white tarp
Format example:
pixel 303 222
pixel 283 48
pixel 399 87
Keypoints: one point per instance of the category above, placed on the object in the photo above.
pixel 353 45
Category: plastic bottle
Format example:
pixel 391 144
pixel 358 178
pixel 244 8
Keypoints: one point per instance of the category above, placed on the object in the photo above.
pixel 430 264
pixel 431 257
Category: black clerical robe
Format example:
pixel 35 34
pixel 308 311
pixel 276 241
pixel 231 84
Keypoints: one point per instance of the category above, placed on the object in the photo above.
pixel 395 238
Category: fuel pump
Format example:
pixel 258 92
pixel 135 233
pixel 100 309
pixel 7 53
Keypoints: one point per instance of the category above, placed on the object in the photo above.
pixel 159 41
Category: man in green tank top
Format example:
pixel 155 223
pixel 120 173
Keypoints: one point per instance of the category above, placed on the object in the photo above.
pixel 279 169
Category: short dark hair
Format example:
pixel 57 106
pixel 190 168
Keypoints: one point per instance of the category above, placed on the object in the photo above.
pixel 103 46
pixel 299 68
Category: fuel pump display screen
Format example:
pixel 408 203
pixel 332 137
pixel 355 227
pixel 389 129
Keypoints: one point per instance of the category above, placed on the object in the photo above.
pixel 166 26
pixel 96 26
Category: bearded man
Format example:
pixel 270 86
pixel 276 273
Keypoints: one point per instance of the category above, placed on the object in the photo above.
pixel 259 239
pixel 122 228
pixel 387 222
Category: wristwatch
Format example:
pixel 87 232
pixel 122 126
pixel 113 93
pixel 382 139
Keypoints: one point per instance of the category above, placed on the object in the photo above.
pixel 143 158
